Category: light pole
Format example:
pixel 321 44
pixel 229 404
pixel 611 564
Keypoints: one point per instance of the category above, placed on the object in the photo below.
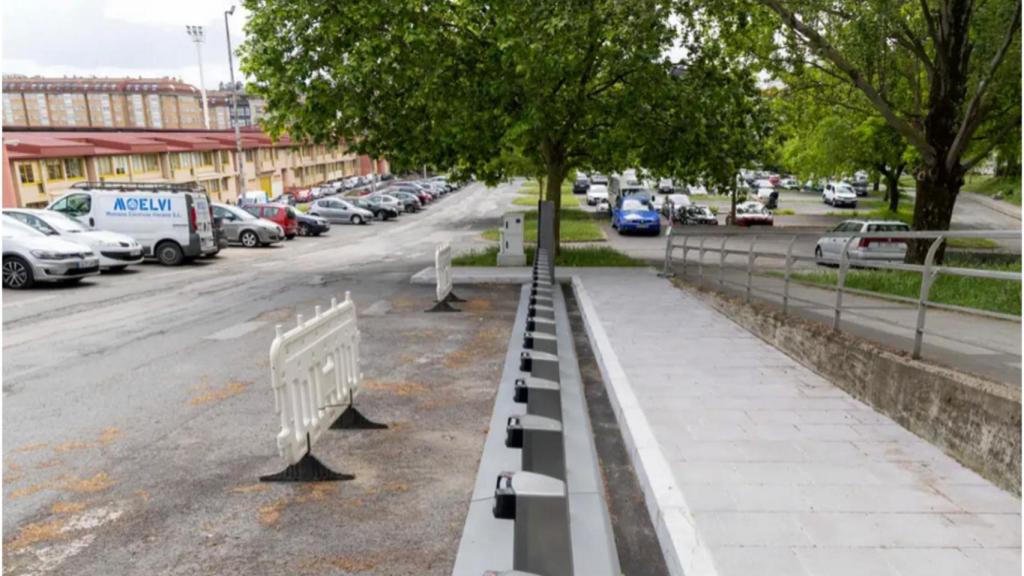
pixel 239 160
pixel 198 36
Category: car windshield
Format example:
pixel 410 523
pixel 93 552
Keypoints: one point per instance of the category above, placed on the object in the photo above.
pixel 15 229
pixel 634 204
pixel 63 222
pixel 751 209
pixel 699 211
pixel 241 214
pixel 888 227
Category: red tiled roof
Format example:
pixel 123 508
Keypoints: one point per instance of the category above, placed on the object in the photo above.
pixel 30 145
pixel 126 85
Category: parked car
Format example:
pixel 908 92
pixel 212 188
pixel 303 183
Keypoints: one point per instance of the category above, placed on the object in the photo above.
pixel 839 194
pixel 673 204
pixel 338 210
pixel 220 235
pixel 598 178
pixel 814 186
pixel 768 196
pixel 596 193
pixel 751 213
pixel 581 185
pixel 859 186
pixel 380 211
pixel 632 214
pixel 172 222
pixel 696 190
pixel 388 200
pixel 280 214
pixel 830 247
pixel 696 214
pixel 420 192
pixel 603 207
pixel 242 227
pixel 115 251
pixel 312 225
pixel 666 186
pixel 410 201
pixel 789 184
pixel 29 256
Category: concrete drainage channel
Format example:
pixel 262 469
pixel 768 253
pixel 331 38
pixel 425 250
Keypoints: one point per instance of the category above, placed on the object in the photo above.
pixel 538 505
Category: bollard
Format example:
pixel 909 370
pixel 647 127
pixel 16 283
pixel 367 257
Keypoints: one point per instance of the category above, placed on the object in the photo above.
pixel 540 325
pixel 540 342
pixel 540 439
pixel 542 397
pixel 539 311
pixel 539 364
pixel 539 507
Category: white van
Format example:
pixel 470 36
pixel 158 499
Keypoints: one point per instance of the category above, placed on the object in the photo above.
pixel 172 222
pixel 253 197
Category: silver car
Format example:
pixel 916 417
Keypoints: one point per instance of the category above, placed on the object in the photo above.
pixel 31 256
pixel 338 210
pixel 243 228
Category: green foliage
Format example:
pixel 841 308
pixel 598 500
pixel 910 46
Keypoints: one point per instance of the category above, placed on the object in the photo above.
pixel 577 256
pixel 577 226
pixel 981 293
pixel 1008 186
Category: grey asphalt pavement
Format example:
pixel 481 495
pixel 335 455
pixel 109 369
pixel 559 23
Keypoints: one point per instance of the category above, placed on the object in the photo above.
pixel 138 413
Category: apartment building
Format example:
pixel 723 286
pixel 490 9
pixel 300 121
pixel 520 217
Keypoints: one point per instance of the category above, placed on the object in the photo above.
pixel 44 165
pixel 150 103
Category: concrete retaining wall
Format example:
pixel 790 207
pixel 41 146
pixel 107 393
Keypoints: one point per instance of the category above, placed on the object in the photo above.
pixel 975 421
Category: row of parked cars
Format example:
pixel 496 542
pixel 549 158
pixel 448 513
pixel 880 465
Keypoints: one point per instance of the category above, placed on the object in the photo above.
pixel 105 226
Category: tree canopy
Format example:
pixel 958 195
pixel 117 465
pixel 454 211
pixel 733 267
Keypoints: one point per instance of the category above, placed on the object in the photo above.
pixel 483 87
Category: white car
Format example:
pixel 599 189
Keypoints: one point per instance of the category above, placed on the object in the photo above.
pixel 172 222
pixel 830 247
pixel 116 251
pixel 596 193
pixel 697 190
pixel 839 194
pixel 31 256
pixel 789 184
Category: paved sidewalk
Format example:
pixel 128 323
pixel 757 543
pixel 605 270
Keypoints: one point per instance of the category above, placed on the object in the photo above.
pixel 755 466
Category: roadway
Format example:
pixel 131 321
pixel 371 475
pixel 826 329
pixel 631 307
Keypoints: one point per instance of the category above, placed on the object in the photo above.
pixel 138 413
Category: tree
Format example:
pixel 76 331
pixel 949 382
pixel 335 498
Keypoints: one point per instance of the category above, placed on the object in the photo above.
pixel 473 84
pixel 936 71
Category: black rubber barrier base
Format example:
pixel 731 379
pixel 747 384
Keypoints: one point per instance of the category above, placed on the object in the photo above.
pixel 308 469
pixel 353 419
pixel 451 297
pixel 444 306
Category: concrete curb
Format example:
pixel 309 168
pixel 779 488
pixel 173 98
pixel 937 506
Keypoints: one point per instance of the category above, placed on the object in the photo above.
pixel 686 554
pixel 996 205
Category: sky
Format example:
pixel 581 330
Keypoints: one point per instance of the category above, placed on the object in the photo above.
pixel 118 38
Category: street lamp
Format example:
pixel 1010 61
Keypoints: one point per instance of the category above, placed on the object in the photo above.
pixel 198 36
pixel 239 161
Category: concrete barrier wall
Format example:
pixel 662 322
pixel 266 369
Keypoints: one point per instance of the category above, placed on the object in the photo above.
pixel 975 421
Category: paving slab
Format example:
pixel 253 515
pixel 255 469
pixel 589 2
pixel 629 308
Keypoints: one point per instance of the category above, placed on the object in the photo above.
pixel 752 464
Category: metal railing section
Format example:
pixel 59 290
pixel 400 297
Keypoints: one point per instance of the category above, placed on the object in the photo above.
pixel 702 241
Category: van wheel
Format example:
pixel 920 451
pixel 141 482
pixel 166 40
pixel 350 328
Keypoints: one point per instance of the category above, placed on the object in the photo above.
pixel 17 273
pixel 169 253
pixel 357 219
pixel 249 239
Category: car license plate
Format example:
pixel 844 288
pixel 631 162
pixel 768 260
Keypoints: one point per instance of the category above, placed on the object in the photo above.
pixel 136 253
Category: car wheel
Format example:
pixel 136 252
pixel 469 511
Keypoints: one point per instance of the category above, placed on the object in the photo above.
pixel 249 239
pixel 304 230
pixel 818 256
pixel 169 253
pixel 17 273
pixel 289 237
pixel 357 219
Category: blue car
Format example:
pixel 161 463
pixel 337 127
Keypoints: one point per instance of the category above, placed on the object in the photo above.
pixel 633 214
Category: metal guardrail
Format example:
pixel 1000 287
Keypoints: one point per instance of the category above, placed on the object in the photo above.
pixel 703 241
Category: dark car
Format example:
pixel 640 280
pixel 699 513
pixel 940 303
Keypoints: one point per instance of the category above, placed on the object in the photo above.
pixel 696 214
pixel 219 235
pixel 581 185
pixel 408 199
pixel 379 210
pixel 860 187
pixel 311 225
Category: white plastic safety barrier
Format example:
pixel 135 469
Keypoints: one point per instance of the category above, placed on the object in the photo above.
pixel 443 265
pixel 314 373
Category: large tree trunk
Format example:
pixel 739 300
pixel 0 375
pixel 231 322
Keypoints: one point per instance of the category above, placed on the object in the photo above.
pixel 892 185
pixel 555 162
pixel 933 208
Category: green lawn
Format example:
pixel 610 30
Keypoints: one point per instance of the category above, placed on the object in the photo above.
pixel 991 185
pixel 577 226
pixel 982 293
pixel 530 192
pixel 905 213
pixel 585 256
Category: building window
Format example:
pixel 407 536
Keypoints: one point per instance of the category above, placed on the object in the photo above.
pixel 154 111
pixel 142 163
pixel 206 159
pixel 108 119
pixel 44 112
pixel 112 165
pixel 250 157
pixel 69 110
pixel 74 168
pixel 8 110
pixel 54 169
pixel 138 117
pixel 26 173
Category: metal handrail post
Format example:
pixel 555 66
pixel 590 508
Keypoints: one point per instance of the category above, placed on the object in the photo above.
pixel 666 271
pixel 686 239
pixel 750 265
pixel 700 263
pixel 927 278
pixel 789 272
pixel 721 262
pixel 844 266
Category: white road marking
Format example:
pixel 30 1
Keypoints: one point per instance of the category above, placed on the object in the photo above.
pixel 236 331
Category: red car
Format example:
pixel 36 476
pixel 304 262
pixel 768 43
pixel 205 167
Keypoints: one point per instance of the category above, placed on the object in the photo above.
pixel 281 214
